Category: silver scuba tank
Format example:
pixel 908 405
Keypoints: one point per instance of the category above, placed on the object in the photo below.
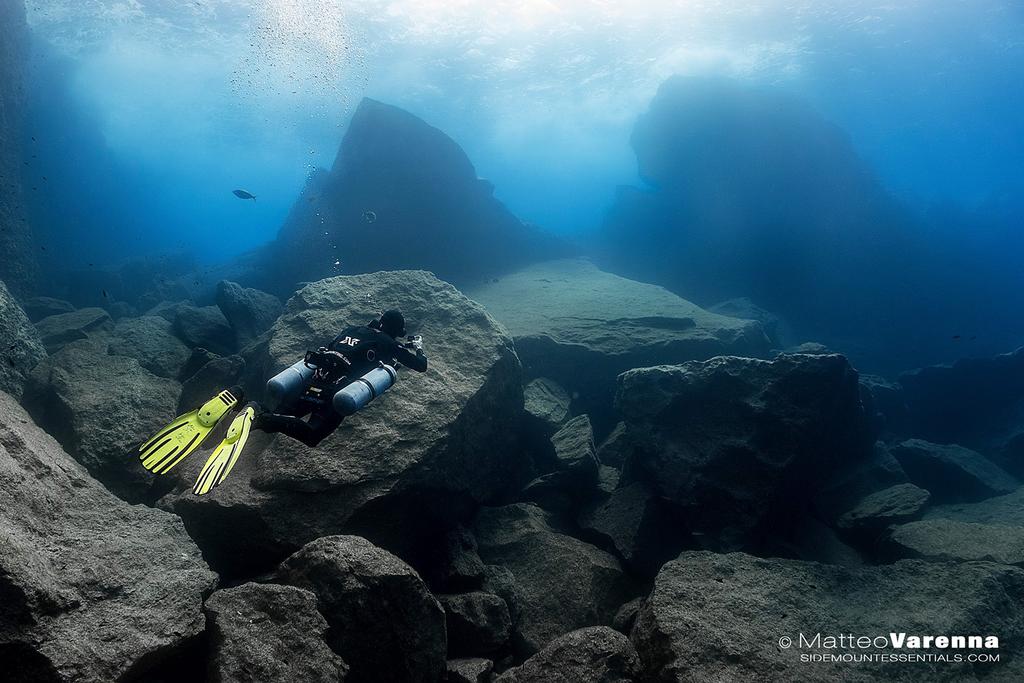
pixel 288 384
pixel 356 395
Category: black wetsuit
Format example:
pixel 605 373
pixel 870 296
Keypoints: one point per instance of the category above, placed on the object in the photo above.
pixel 365 347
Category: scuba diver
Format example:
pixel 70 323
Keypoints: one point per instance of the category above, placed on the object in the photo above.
pixel 327 385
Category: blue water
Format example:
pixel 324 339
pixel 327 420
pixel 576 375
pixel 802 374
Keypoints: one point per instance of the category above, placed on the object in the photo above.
pixel 197 98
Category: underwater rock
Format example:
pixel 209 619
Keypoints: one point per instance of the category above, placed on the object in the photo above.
pixel 739 181
pixel 688 628
pixel 742 445
pixel 93 589
pixel 952 473
pixel 39 307
pixel 198 357
pixel 206 327
pixel 560 582
pixel 151 341
pixel 397 176
pixel 458 566
pixel 383 620
pixel 812 540
pixel 59 330
pixel 570 465
pixel 547 403
pixel 974 402
pixel 746 309
pixel 644 530
pixel 615 448
pixel 581 327
pixel 626 616
pixel 434 443
pixel 945 539
pixel 477 623
pixel 894 505
pixel 266 632
pixel 586 655
pixel 168 310
pixel 216 376
pixel 469 670
pixel 853 481
pixel 19 267
pixel 249 311
pixel 1007 509
pixel 22 346
pixel 101 408
pixel 888 402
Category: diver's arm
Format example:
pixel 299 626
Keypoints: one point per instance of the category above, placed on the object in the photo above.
pixel 417 361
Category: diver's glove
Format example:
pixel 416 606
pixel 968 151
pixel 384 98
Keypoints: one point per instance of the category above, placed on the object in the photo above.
pixel 416 342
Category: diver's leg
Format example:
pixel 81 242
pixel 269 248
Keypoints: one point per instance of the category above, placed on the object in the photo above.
pixel 289 425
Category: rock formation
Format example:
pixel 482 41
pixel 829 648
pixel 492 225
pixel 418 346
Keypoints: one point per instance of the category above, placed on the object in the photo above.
pixel 401 194
pixel 93 589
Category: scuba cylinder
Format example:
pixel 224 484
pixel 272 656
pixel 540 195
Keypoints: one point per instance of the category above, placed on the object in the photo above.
pixel 356 395
pixel 288 384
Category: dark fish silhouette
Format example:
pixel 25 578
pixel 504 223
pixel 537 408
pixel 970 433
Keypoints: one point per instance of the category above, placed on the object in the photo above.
pixel 242 194
pixel 956 336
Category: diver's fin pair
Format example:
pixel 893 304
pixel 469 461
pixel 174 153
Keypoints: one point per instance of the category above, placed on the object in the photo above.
pixel 224 457
pixel 185 434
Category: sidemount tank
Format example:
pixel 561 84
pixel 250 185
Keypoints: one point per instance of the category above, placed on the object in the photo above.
pixel 356 395
pixel 288 384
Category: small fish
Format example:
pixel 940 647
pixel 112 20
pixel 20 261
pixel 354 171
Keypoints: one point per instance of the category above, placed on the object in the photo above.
pixel 956 336
pixel 242 194
pixel 370 216
pixel 105 294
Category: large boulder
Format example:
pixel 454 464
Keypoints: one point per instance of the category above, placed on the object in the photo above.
pixel 946 539
pixel 384 622
pixel 399 188
pixel 59 330
pixel 581 327
pixel 894 505
pixel 416 454
pixel 560 582
pixel 39 307
pixel 477 623
pixel 742 445
pixel 22 346
pixel 93 589
pixel 644 530
pixel 151 341
pixel 586 655
pixel 220 373
pixel 266 632
pixel 952 473
pixel 736 617
pixel 206 327
pixel 1008 510
pixel 250 311
pixel 100 408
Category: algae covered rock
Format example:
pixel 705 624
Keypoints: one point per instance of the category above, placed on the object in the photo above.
pixel 723 617
pixel 93 589
pixel 384 622
pixel 266 632
pixel 434 440
pixel 22 346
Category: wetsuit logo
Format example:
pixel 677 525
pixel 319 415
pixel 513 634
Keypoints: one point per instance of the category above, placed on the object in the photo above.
pixel 349 341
